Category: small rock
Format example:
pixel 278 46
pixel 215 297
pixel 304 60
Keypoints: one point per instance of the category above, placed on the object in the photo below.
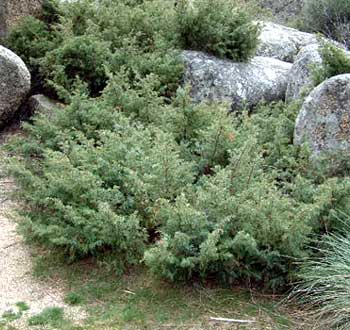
pixel 324 119
pixel 14 83
pixel 240 84
pixel 42 104
pixel 300 76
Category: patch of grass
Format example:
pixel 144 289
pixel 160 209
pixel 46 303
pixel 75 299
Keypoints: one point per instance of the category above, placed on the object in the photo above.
pixel 49 316
pixel 325 281
pixel 73 298
pixel 10 316
pixel 138 301
pixel 22 306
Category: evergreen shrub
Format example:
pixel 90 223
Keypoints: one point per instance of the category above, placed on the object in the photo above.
pixel 330 17
pixel 82 41
pixel 131 167
pixel 225 31
pixel 32 38
pixel 335 61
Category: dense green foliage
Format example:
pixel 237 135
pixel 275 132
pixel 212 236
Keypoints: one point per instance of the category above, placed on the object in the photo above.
pixel 325 282
pixel 252 218
pixel 225 31
pixel 143 37
pixel 62 67
pixel 330 17
pixel 131 168
pixel 33 38
pixel 230 197
pixel 335 61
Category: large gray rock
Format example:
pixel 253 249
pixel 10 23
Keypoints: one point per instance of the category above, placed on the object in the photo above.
pixel 213 79
pixel 300 76
pixel 281 42
pixel 324 119
pixel 14 83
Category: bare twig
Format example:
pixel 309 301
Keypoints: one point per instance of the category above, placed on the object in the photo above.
pixel 10 245
pixel 221 319
pixel 129 292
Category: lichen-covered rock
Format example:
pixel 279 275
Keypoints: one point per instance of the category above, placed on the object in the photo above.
pixel 13 11
pixel 324 119
pixel 14 83
pixel 300 76
pixel 240 84
pixel 281 42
